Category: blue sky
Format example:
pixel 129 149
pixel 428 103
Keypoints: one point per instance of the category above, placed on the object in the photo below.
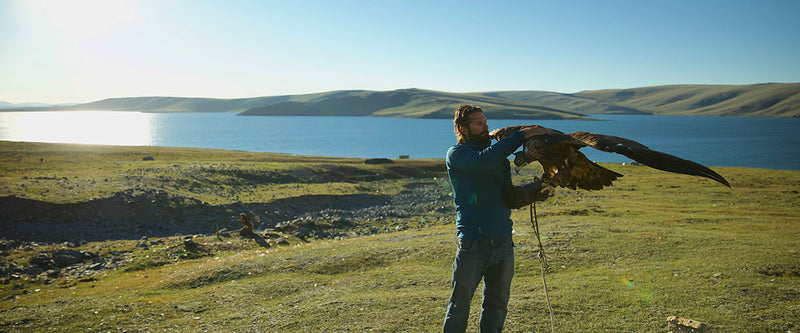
pixel 57 51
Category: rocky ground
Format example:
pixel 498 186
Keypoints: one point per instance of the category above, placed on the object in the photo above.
pixel 53 235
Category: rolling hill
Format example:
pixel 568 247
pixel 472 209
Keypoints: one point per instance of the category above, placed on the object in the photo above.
pixel 406 103
pixel 757 100
pixel 174 104
pixel 762 100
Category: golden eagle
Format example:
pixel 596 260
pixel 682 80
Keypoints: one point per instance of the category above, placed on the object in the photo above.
pixel 563 165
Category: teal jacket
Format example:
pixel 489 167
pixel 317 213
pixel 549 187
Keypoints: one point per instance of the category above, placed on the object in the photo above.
pixel 478 175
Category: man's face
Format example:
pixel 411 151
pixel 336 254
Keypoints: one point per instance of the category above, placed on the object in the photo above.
pixel 477 130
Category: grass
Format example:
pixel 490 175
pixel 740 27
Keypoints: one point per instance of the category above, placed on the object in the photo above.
pixel 625 258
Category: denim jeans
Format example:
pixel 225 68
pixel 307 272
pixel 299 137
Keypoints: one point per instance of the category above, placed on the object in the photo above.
pixel 475 260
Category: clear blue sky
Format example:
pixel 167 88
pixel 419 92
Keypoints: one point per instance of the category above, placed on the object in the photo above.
pixel 75 51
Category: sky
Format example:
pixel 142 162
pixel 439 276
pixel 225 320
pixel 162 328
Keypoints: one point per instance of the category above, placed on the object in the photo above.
pixel 78 51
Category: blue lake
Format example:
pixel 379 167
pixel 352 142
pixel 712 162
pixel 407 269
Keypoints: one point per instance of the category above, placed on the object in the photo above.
pixel 772 143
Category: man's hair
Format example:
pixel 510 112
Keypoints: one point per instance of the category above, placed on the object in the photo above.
pixel 461 119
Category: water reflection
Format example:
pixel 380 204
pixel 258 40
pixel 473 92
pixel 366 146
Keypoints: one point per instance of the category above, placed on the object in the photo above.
pixel 88 127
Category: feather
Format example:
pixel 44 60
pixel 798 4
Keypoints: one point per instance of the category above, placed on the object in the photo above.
pixel 564 165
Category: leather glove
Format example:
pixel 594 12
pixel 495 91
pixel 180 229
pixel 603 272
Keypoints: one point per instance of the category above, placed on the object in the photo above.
pixel 521 196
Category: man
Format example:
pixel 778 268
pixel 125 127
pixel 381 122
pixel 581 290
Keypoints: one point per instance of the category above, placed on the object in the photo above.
pixel 480 175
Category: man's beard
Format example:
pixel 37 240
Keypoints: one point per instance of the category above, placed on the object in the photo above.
pixel 481 138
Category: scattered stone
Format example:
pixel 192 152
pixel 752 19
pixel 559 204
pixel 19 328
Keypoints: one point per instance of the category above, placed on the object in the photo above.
pixel 683 325
pixel 95 267
pixel 31 271
pixel 64 260
pixel 53 273
pixel 223 233
pixel 271 235
pixel 302 232
pixel 191 245
pixel 42 260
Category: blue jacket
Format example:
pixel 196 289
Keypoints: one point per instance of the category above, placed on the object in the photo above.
pixel 478 175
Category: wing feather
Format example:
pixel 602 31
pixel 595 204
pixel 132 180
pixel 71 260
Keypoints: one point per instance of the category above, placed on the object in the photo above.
pixel 640 153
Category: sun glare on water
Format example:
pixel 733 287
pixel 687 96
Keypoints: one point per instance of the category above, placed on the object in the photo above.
pixel 88 127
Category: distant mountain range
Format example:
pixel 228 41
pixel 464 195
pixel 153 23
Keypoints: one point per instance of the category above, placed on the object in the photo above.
pixel 761 100
pixel 7 105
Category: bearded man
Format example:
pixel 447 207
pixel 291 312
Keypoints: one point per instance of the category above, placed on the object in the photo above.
pixel 480 175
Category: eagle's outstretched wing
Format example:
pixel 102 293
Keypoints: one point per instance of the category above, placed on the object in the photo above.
pixel 640 153
pixel 565 166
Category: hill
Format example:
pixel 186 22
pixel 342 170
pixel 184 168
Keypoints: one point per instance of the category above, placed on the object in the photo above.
pixel 173 104
pixel 406 103
pixel 757 100
pixel 561 101
pixel 762 100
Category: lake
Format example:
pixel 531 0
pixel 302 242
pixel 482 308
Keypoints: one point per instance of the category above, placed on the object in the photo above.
pixel 772 143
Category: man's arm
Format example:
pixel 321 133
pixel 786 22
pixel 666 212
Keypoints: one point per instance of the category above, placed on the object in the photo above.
pixel 464 158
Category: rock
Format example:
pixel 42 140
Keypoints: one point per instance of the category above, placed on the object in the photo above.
pixel 148 158
pixel 42 260
pixel 302 232
pixel 190 245
pixel 683 325
pixel 378 161
pixel 53 273
pixel 32 271
pixel 95 267
pixel 63 260
pixel 76 253
pixel 271 235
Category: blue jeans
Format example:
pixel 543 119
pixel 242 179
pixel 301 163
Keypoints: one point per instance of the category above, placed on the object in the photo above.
pixel 475 260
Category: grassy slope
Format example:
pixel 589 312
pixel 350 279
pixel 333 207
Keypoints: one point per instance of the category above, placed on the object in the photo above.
pixel 758 100
pixel 407 103
pixel 569 102
pixel 625 258
pixel 65 173
pixel 762 100
pixel 174 104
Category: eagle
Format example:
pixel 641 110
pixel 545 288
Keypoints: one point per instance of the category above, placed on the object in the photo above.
pixel 565 166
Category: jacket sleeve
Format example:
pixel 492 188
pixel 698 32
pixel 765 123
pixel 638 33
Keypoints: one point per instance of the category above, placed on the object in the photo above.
pixel 469 159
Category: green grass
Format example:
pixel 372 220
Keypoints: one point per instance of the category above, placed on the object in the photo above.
pixel 624 258
pixel 66 173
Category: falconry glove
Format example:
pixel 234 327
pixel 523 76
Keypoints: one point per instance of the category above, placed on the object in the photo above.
pixel 521 196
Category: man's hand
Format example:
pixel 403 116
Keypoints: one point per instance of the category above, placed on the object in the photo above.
pixel 521 196
pixel 534 130
pixel 547 190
